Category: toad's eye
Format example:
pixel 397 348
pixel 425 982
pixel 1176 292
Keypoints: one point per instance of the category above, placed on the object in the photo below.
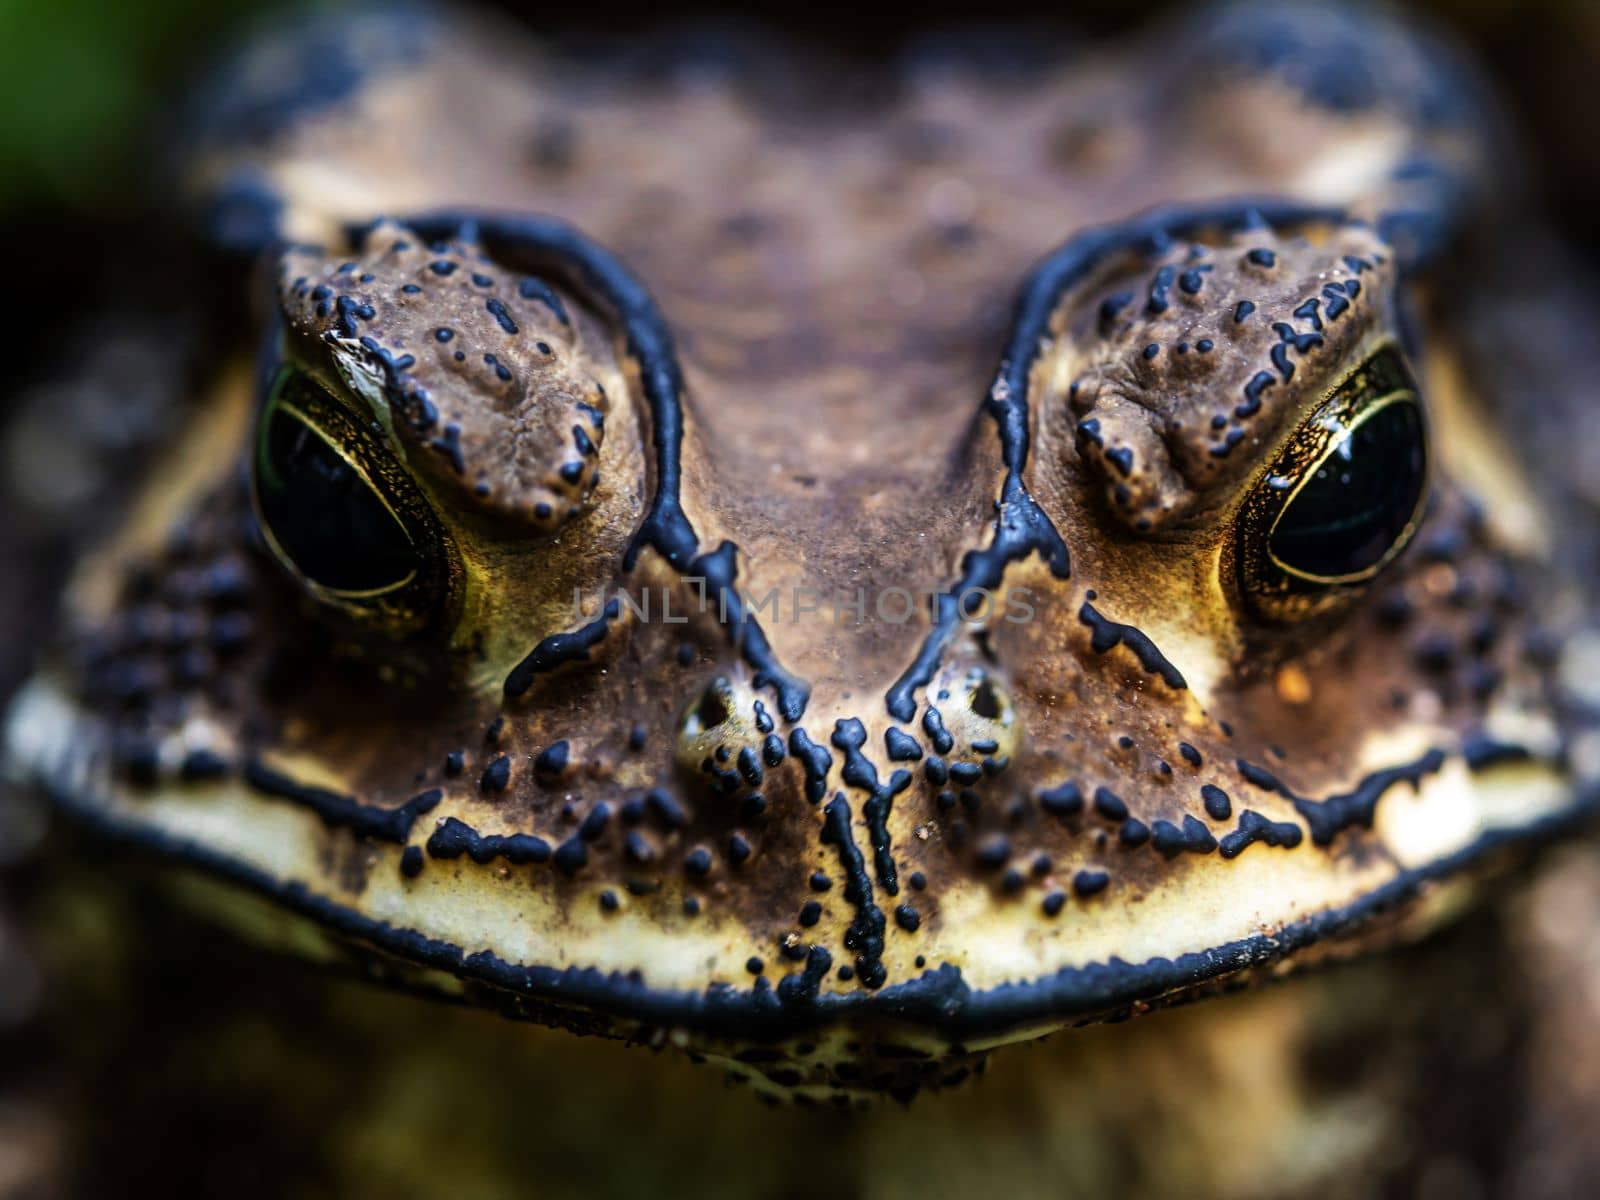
pixel 1353 509
pixel 1343 498
pixel 324 513
pixel 341 514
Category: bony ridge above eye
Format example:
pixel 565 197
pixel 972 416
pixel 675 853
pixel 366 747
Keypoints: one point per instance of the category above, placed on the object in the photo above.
pixel 480 385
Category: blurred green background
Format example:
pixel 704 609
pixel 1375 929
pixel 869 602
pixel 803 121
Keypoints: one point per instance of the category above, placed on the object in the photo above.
pixel 80 81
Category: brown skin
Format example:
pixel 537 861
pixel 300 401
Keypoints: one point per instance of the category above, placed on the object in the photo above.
pixel 837 288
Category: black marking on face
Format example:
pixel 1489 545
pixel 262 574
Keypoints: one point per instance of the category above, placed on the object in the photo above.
pixel 1192 836
pixel 1327 818
pixel 201 764
pixel 571 856
pixel 1218 806
pixel 496 776
pixel 554 763
pixel 340 811
pixel 901 746
pixel 1021 527
pixel 937 999
pixel 1253 827
pixel 454 838
pixel 933 725
pixel 1110 805
pixel 666 527
pixel 411 862
pixel 718 569
pixel 1063 800
pixel 849 736
pixel 802 988
pixel 1483 751
pixel 1090 883
pixel 865 934
pixel 561 648
pixel 1108 634
pixel 814 760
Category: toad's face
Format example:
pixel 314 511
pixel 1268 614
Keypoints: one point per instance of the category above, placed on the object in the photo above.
pixel 743 664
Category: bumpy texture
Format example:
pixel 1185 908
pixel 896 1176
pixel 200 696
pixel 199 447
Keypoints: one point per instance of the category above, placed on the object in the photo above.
pixel 881 685
pixel 1181 370
pixel 523 422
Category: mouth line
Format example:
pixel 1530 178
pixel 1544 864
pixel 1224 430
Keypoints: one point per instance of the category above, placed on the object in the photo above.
pixel 938 1000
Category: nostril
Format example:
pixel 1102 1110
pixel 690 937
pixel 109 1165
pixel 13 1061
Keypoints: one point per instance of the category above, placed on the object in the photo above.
pixel 713 708
pixel 985 701
pixel 726 737
pixel 975 718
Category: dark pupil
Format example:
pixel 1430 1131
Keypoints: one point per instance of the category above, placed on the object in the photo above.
pixel 324 515
pixel 1360 499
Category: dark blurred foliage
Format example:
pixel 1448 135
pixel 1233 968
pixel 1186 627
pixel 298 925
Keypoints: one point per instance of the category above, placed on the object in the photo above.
pixel 84 84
